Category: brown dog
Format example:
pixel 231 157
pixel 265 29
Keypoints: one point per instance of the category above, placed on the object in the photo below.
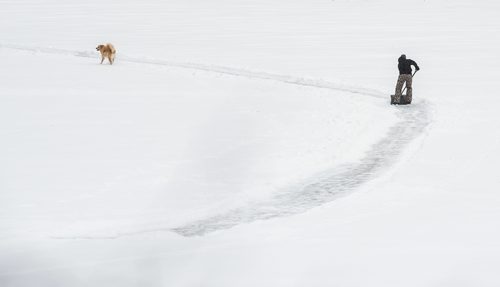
pixel 107 51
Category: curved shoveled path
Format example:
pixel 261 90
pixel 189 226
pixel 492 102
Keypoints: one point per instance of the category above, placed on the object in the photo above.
pixel 332 184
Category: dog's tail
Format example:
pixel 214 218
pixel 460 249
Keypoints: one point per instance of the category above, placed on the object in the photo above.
pixel 112 48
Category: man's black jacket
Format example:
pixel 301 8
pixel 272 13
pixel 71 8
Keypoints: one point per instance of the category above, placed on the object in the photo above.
pixel 404 66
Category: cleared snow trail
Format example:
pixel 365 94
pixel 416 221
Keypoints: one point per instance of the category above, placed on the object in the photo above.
pixel 322 189
pixel 332 184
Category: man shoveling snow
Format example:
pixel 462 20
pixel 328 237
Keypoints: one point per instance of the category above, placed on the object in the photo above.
pixel 405 76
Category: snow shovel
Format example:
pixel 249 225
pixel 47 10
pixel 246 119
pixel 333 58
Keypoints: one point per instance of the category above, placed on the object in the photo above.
pixel 403 100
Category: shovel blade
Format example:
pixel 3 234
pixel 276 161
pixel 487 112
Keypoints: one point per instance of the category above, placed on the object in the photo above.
pixel 403 100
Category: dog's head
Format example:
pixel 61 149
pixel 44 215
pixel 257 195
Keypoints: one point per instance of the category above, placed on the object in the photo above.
pixel 98 48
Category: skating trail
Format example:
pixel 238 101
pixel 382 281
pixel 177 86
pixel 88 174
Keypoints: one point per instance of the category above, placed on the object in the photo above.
pixel 332 184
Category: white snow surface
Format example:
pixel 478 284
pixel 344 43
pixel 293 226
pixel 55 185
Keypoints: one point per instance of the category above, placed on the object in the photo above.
pixel 248 143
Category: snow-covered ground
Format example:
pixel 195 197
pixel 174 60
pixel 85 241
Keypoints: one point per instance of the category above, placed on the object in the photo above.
pixel 248 143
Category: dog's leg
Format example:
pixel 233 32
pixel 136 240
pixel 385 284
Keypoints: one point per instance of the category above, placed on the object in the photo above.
pixel 110 60
pixel 102 59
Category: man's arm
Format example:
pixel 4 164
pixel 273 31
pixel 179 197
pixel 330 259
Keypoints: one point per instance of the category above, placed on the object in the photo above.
pixel 414 64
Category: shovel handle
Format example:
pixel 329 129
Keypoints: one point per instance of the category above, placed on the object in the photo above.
pixel 405 83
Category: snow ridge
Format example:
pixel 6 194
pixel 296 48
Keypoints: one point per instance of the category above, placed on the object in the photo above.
pixel 317 83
